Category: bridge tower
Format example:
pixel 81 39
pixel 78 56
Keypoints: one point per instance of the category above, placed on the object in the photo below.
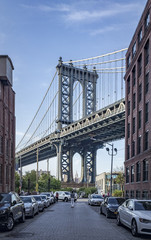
pixel 67 76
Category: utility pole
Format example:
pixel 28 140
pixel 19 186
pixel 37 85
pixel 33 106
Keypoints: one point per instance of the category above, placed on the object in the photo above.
pixel 111 154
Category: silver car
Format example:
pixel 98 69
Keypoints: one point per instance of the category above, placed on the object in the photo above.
pixel 40 202
pixel 46 200
pixel 136 215
pixel 95 199
pixel 31 206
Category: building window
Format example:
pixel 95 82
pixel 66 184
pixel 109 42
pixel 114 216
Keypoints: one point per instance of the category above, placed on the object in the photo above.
pixel 128 108
pixel 138 194
pixel 147 82
pixel 140 92
pixel 127 175
pixel 7 147
pixel 145 170
pixel 147 20
pixel 146 49
pixel 1 144
pixel 134 101
pixel 134 50
pixel 133 125
pixel 127 194
pixel 0 174
pixel 139 119
pixel 146 111
pixel 138 172
pixel 140 35
pixel 7 174
pixel 133 148
pixel 132 193
pixel 128 85
pixel 128 130
pixel 146 140
pixel 132 173
pixel 139 145
pixel 145 195
pixel 134 76
pixel 128 60
pixel 140 65
pixel 128 151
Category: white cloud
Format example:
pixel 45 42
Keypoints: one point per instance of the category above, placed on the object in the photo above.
pixel 103 30
pixel 82 11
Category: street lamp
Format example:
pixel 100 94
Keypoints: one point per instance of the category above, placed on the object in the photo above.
pixel 111 154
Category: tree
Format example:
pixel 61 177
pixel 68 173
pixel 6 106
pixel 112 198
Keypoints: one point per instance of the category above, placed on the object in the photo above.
pixel 17 181
pixel 120 179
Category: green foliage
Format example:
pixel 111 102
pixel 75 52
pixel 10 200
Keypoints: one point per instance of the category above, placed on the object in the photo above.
pixel 46 183
pixel 17 181
pixel 87 190
pixel 118 193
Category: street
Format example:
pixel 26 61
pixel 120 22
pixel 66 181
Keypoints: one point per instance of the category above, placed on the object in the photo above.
pixel 60 221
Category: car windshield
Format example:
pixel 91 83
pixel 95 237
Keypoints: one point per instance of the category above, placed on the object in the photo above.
pixel 67 193
pixel 118 201
pixel 37 198
pixel 5 198
pixel 44 197
pixel 143 205
pixel 26 199
pixel 97 196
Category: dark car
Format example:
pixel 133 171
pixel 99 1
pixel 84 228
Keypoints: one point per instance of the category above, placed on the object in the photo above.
pixel 110 205
pixel 11 209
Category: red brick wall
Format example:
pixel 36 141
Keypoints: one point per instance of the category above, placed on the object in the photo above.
pixel 7 132
pixel 140 105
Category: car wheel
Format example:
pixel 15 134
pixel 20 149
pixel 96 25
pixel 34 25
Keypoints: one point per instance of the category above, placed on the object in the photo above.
pixel 22 219
pixel 10 223
pixel 66 199
pixel 134 228
pixel 32 214
pixel 107 214
pixel 118 221
pixel 101 210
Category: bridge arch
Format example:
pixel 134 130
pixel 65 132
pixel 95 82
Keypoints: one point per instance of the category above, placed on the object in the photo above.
pixel 77 167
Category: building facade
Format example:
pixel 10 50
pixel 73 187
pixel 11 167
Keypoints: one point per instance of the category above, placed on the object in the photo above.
pixel 103 181
pixel 7 126
pixel 138 110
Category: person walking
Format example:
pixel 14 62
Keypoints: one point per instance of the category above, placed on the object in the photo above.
pixel 72 199
pixel 57 196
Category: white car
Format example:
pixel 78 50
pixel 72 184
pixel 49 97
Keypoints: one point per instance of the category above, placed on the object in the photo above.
pixel 136 215
pixel 65 196
pixel 31 206
pixel 95 199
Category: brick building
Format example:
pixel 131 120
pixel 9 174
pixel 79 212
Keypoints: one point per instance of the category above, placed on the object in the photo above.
pixel 7 126
pixel 138 110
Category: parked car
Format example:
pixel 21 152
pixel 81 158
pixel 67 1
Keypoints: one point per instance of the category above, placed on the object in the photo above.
pixel 31 206
pixel 95 199
pixel 136 215
pixel 11 209
pixel 40 202
pixel 65 196
pixel 110 205
pixel 46 200
pixel 49 196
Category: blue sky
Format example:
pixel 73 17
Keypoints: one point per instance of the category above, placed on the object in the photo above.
pixel 36 33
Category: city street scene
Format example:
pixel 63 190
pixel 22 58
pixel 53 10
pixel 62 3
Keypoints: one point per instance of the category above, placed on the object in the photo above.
pixel 75 119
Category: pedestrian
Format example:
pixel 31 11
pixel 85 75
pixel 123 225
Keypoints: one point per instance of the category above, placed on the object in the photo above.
pixel 72 199
pixel 57 195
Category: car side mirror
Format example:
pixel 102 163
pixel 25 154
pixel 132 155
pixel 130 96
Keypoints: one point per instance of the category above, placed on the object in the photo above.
pixel 130 208
pixel 14 202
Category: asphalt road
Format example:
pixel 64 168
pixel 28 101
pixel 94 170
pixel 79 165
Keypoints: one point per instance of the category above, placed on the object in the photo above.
pixel 61 222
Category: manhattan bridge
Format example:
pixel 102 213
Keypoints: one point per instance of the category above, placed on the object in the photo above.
pixel 83 108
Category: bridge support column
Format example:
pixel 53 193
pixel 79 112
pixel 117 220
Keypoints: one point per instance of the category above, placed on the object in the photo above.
pixel 89 165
